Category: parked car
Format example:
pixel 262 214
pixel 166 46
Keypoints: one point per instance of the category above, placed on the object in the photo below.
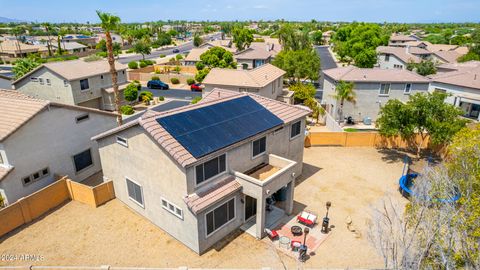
pixel 176 50
pixel 157 84
pixel 196 87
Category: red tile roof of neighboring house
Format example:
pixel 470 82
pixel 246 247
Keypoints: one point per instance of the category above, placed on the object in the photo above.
pixel 287 113
pixel 197 202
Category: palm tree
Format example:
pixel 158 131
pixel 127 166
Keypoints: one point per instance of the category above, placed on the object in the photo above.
pixel 110 23
pixel 17 31
pixel 344 92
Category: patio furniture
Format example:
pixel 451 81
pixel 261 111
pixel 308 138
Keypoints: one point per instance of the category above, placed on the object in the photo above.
pixel 284 242
pixel 272 234
pixel 307 218
pixel 295 245
pixel 296 230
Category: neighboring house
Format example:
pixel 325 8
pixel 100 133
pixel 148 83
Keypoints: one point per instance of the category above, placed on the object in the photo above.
pixel 16 49
pixel 70 47
pixel 76 82
pixel 373 88
pixel 116 38
pixel 398 39
pixel 266 80
pixel 194 55
pixel 389 57
pixel 87 40
pixel 41 139
pixel 462 83
pixel 259 53
pixel 201 171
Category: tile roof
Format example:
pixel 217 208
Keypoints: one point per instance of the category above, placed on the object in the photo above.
pixel 400 52
pixel 398 37
pixel 72 45
pixel 354 74
pixel 4 171
pixel 18 109
pixel 465 77
pixel 257 77
pixel 260 50
pixel 448 56
pixel 77 69
pixel 197 202
pixel 441 47
pixel 194 54
pixel 459 66
pixel 287 113
pixel 11 46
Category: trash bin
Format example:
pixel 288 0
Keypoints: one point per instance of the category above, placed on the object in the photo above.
pixel 367 120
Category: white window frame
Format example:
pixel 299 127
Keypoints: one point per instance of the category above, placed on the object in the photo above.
pixel 86 168
pixel 40 173
pixel 291 127
pixel 262 153
pixel 409 90
pixel 228 222
pixel 380 90
pixel 141 190
pixel 174 212
pixel 122 141
pixel 213 177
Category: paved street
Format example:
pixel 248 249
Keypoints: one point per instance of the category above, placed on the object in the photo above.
pixel 156 53
pixel 179 94
pixel 326 59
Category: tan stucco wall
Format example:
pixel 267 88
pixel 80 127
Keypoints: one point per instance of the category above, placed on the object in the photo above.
pixel 50 140
pixel 145 163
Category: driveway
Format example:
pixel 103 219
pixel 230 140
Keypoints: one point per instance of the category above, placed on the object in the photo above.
pixel 326 58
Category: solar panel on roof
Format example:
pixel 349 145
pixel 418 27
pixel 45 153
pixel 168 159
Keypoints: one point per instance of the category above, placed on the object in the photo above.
pixel 207 129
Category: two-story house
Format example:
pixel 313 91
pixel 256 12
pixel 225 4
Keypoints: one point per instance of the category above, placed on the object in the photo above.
pixel 373 88
pixel 87 84
pixel 201 171
pixel 265 80
pixel 257 54
pixel 40 139
pixel 462 82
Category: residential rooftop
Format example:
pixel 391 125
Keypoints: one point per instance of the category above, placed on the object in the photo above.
pixel 466 77
pixel 257 77
pixel 152 124
pixel 354 74
pixel 77 69
pixel 402 53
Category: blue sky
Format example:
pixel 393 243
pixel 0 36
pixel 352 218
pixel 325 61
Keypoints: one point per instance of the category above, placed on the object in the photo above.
pixel 304 10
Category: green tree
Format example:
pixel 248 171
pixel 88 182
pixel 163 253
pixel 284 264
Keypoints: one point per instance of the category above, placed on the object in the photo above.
pixel 317 110
pixel 317 37
pixel 302 92
pixel 242 38
pixel 197 41
pixel 344 91
pixel 142 48
pixel 218 57
pixel 423 114
pixel 111 23
pixel 201 74
pixel 102 46
pixel 424 68
pixel 131 92
pixel 299 65
pixel 293 39
pixel 23 66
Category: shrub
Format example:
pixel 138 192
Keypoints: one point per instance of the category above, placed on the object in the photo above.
pixel 162 55
pixel 143 64
pixel 145 96
pixel 190 81
pixel 155 78
pixel 155 46
pixel 200 65
pixel 161 98
pixel 102 54
pixel 172 59
pixel 177 69
pixel 92 58
pixel 175 80
pixel 129 51
pixel 196 99
pixel 178 57
pixel 131 92
pixel 127 110
pixel 133 65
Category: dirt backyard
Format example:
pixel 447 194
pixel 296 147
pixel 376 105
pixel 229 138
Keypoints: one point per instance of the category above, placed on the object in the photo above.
pixel 353 179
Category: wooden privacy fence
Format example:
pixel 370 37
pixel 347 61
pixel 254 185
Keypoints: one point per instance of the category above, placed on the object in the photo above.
pixel 33 206
pixel 366 139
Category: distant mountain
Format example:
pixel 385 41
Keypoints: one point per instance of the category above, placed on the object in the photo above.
pixel 8 20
